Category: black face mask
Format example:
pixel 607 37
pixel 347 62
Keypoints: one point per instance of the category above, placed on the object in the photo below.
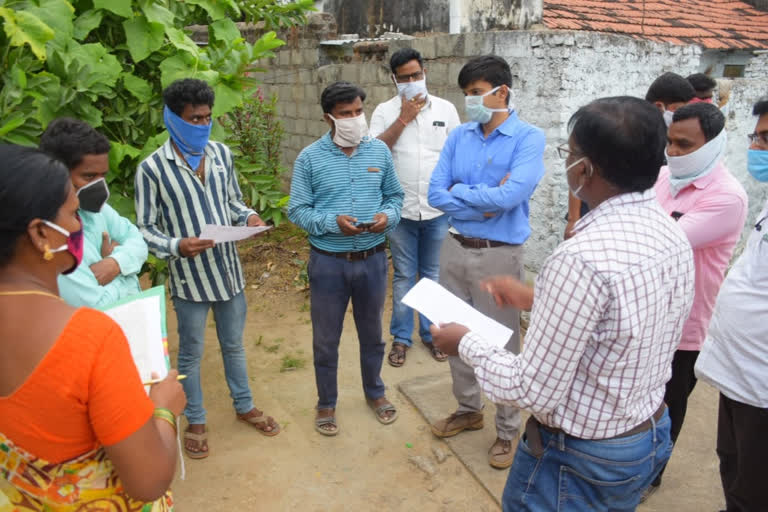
pixel 94 195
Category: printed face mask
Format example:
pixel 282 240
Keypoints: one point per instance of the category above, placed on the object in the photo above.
pixel 757 164
pixel 349 130
pixel 94 195
pixel 412 89
pixel 74 243
pixel 476 109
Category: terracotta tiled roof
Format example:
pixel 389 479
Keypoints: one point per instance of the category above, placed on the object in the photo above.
pixel 713 24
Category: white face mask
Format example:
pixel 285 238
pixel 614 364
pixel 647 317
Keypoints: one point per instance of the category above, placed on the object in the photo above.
pixel 349 131
pixel 578 189
pixel 412 89
pixel 684 170
pixel 668 115
pixel 476 109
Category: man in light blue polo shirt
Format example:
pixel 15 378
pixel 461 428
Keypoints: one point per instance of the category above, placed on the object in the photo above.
pixel 114 250
pixel 346 195
pixel 487 172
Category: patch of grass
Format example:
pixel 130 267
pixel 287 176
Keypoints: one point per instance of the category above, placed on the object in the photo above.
pixel 304 307
pixel 291 363
pixel 272 348
pixel 258 341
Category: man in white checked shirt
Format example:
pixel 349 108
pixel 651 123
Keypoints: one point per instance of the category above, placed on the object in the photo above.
pixel 607 312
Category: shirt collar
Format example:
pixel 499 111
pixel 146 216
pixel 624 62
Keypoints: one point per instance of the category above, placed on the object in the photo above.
pixel 707 179
pixel 614 203
pixel 508 127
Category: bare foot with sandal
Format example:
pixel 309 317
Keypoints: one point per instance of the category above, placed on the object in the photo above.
pixel 196 435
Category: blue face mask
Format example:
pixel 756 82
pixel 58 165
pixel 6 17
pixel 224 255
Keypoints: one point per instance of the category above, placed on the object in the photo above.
pixel 476 109
pixel 757 164
pixel 190 139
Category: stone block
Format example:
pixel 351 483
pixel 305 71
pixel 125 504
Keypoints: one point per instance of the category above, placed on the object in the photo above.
pixel 310 56
pixel 350 73
pixel 426 46
pixel 453 71
pixel 449 45
pixel 479 43
pixel 328 74
pixel 368 74
pixel 287 109
pixel 297 93
pixel 311 93
pixel 284 58
pixel 296 58
pixel 437 73
pixel 306 140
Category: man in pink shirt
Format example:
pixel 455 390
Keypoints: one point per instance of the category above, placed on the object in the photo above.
pixel 698 191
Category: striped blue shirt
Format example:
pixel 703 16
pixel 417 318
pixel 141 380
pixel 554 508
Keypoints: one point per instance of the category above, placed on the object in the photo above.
pixel 327 183
pixel 172 203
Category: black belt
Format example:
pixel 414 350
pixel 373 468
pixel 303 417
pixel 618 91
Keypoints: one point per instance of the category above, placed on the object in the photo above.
pixel 533 436
pixel 353 255
pixel 477 243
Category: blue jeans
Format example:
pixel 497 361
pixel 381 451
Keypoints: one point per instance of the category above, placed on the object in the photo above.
pixel 230 321
pixel 577 474
pixel 415 247
pixel 332 283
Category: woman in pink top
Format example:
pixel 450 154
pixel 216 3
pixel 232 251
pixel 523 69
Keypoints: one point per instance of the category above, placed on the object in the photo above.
pixel 710 205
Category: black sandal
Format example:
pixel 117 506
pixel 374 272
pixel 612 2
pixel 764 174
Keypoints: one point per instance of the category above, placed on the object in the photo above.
pixel 396 356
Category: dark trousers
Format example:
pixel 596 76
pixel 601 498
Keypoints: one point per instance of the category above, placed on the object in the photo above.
pixel 332 283
pixel 679 388
pixel 742 446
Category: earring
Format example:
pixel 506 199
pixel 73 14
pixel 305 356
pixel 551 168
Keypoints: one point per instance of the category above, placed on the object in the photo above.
pixel 48 254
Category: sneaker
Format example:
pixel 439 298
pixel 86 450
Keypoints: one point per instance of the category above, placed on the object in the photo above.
pixel 458 422
pixel 501 455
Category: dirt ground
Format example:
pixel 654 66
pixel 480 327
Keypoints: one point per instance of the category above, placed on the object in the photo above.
pixel 368 466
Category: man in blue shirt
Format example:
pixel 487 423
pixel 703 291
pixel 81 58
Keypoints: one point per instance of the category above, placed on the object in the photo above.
pixel 113 249
pixel 346 195
pixel 486 174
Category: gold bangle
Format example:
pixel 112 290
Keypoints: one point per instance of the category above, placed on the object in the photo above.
pixel 165 415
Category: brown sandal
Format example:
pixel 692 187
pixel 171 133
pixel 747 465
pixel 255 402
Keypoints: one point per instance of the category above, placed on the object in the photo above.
pixel 396 356
pixel 201 441
pixel 437 354
pixel 257 419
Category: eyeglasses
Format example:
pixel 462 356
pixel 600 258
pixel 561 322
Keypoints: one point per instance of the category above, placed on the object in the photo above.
pixel 761 139
pixel 410 78
pixel 564 151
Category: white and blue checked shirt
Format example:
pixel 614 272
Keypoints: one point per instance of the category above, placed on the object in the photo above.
pixel 608 313
pixel 172 203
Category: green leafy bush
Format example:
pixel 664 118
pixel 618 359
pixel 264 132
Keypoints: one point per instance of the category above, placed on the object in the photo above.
pixel 107 61
pixel 255 135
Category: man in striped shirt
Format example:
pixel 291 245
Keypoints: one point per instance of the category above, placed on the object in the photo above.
pixel 608 310
pixel 346 195
pixel 185 184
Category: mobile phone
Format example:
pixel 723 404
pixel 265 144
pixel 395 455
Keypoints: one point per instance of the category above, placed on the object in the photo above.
pixel 365 225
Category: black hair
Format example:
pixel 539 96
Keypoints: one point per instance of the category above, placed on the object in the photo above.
pixel 701 82
pixel 404 55
pixel 710 118
pixel 670 88
pixel 70 140
pixel 761 107
pixel 491 68
pixel 624 137
pixel 340 92
pixel 33 185
pixel 187 91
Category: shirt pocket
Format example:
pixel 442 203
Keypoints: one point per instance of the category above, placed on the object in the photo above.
pixel 435 137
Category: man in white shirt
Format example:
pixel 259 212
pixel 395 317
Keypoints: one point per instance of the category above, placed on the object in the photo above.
pixel 414 124
pixel 607 313
pixel 734 357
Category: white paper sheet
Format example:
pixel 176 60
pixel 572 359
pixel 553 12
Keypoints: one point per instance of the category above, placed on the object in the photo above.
pixel 221 234
pixel 141 323
pixel 441 307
